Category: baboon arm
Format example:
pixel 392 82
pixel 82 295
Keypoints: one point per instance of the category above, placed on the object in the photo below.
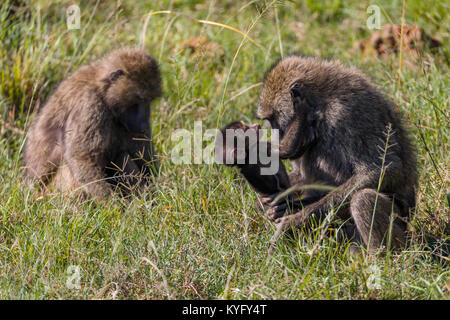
pixel 90 176
pixel 319 209
pixel 87 145
pixel 338 199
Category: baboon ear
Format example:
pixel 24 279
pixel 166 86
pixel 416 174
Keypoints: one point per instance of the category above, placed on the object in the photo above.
pixel 298 96
pixel 301 97
pixel 296 91
pixel 113 76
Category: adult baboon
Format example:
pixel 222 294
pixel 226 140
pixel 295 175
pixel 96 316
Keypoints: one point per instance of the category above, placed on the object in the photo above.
pixel 339 130
pixel 94 132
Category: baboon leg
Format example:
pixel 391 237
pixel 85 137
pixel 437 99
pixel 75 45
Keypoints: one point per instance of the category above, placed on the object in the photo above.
pixel 295 178
pixel 349 232
pixel 153 163
pixel 64 179
pixel 89 175
pixel 43 154
pixel 376 230
pixel 142 152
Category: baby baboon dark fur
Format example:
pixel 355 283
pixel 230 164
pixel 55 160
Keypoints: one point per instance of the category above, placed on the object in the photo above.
pixel 94 132
pixel 334 125
pixel 267 185
pixel 263 184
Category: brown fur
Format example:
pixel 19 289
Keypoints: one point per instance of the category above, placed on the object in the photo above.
pixel 86 130
pixel 333 126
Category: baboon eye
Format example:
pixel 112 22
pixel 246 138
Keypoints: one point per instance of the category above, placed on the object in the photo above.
pixel 113 76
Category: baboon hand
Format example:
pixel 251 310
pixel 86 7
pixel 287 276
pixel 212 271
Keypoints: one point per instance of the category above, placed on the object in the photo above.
pixel 276 209
pixel 283 207
pixel 285 223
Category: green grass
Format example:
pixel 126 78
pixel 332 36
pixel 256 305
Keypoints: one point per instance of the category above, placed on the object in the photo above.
pixel 197 233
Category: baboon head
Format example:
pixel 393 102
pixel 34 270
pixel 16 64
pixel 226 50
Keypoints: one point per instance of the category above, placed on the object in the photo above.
pixel 130 81
pixel 294 99
pixel 237 141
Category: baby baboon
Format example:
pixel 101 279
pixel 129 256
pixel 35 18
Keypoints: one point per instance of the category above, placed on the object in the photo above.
pixel 335 125
pixel 94 132
pixel 265 185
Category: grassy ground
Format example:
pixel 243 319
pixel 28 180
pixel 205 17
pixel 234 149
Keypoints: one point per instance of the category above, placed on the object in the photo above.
pixel 197 233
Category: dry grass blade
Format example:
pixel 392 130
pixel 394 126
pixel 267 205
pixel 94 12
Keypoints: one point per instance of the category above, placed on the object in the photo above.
pixel 212 23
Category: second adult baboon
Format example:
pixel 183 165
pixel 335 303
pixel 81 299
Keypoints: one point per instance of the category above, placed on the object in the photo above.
pixel 339 130
pixel 94 132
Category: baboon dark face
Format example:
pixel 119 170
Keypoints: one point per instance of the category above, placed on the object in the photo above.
pixel 130 91
pixel 137 117
pixel 293 114
pixel 237 141
pixel 129 101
